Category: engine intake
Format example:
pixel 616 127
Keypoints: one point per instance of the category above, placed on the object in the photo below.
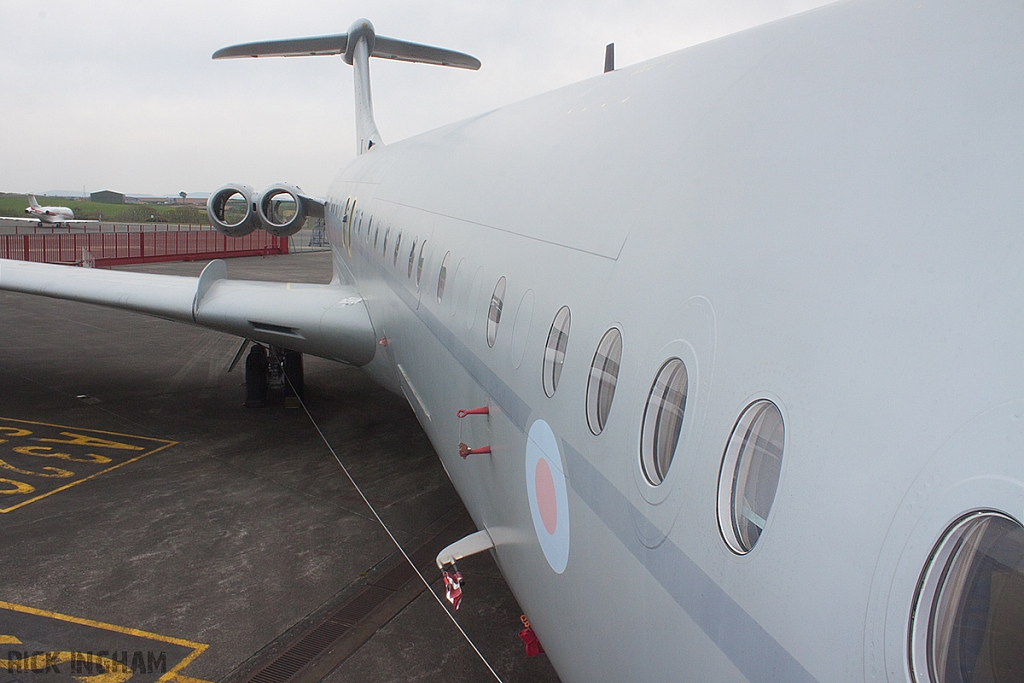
pixel 232 211
pixel 279 216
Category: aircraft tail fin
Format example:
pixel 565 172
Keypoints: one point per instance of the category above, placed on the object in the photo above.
pixel 32 201
pixel 355 47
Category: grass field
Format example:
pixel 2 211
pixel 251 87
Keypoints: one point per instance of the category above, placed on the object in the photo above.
pixel 15 204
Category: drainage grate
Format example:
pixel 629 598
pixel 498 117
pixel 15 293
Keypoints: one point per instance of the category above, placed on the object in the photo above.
pixel 319 639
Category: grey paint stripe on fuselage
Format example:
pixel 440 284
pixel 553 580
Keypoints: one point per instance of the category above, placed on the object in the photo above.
pixel 751 649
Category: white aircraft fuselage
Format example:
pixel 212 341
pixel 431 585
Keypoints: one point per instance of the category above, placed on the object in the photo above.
pixel 824 212
pixel 61 216
pixel 808 238
pixel 50 214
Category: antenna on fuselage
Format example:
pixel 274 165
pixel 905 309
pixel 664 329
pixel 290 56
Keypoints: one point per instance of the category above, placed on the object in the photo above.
pixel 609 57
pixel 355 47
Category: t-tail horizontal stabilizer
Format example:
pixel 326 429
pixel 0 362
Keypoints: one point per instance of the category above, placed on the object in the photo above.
pixel 355 47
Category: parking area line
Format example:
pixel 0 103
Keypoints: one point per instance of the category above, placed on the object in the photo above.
pixel 42 640
pixel 38 459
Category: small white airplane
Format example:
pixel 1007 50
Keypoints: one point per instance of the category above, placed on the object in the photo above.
pixel 734 337
pixel 57 216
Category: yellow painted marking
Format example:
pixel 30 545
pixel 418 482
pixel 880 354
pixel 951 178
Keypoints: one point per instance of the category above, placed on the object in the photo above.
pixel 19 487
pixel 94 431
pixel 627 97
pixel 73 432
pixel 56 471
pixel 181 678
pixel 83 440
pixel 46 452
pixel 9 640
pixel 173 674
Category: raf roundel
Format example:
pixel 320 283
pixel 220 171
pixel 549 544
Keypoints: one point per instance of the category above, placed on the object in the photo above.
pixel 549 499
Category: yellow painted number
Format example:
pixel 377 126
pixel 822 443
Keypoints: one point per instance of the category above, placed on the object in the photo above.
pixel 47 471
pixel 19 487
pixel 92 441
pixel 47 452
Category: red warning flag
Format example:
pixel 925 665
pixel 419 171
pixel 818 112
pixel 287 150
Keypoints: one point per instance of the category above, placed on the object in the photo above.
pixel 533 646
pixel 452 586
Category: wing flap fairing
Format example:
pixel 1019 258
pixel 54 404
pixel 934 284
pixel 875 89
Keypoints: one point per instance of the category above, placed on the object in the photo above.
pixel 329 321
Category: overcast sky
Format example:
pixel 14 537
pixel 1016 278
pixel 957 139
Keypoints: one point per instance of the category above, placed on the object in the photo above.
pixel 123 94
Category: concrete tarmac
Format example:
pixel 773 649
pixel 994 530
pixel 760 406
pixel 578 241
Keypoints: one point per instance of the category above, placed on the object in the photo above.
pixel 166 521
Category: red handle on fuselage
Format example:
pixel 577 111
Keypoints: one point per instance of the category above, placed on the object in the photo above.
pixel 473 411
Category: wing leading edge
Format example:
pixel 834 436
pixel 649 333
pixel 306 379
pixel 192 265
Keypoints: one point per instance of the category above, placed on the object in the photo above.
pixel 329 321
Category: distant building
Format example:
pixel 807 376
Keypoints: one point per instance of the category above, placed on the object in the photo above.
pixel 147 199
pixel 106 197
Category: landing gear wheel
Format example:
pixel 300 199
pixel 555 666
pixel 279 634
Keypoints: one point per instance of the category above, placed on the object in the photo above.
pixel 256 377
pixel 293 371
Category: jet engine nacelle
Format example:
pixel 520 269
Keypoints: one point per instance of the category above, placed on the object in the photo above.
pixel 228 216
pixel 282 210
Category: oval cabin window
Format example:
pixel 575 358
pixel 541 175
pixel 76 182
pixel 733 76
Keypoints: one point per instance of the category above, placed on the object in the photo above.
pixel 750 475
pixel 419 265
pixel 494 311
pixel 443 276
pixel 604 374
pixel 663 420
pixel 554 350
pixel 968 617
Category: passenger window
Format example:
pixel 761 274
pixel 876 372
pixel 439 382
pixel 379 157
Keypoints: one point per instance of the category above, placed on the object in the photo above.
pixel 750 475
pixel 604 374
pixel 663 420
pixel 384 249
pixel 376 233
pixel 494 312
pixel 968 615
pixel 442 276
pixel 398 244
pixel 554 350
pixel 419 266
pixel 412 258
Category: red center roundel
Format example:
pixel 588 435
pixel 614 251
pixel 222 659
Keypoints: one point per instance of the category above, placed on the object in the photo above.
pixel 546 501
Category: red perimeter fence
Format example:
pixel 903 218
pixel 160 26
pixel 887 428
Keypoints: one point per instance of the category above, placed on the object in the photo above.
pixel 122 248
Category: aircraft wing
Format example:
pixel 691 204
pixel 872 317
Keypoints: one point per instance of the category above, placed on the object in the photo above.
pixel 330 321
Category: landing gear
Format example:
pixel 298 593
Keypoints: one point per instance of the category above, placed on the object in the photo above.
pixel 256 377
pixel 293 371
pixel 276 374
